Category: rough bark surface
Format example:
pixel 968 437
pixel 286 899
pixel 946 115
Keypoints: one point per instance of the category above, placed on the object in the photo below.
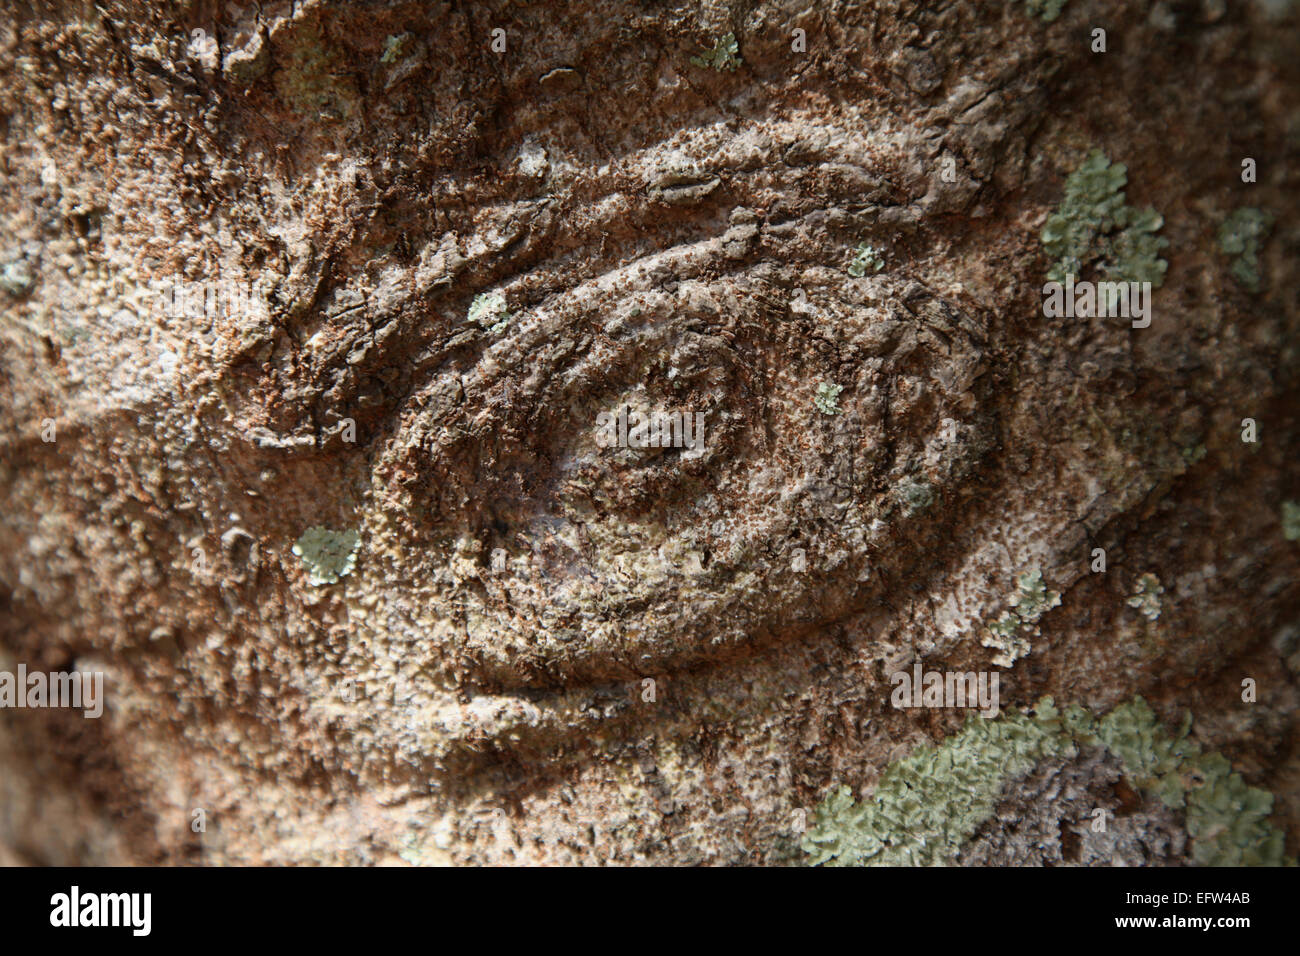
pixel 663 235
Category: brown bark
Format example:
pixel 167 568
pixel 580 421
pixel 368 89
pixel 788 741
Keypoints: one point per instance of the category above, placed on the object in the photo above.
pixel 663 236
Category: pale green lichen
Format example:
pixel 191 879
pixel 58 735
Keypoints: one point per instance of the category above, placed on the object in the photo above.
pixel 867 258
pixel 16 278
pixel 915 496
pixel 394 47
pixel 489 310
pixel 328 555
pixel 927 805
pixel 1227 820
pixel 1048 10
pixel 1240 235
pixel 1032 598
pixel 1009 635
pixel 1291 520
pixel 722 56
pixel 1004 636
pixel 410 851
pixel 1006 626
pixel 314 80
pixel 1146 596
pixel 1094 224
pixel 827 399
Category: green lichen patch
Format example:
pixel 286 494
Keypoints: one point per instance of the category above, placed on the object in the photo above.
pixel 723 56
pixel 1240 235
pixel 1146 596
pixel 927 805
pixel 1227 820
pixel 1032 598
pixel 328 555
pixel 915 496
pixel 1094 224
pixel 1009 635
pixel 1291 520
pixel 314 80
pixel 489 310
pixel 395 48
pixel 827 399
pixel 1048 10
pixel 1006 626
pixel 1004 635
pixel 868 258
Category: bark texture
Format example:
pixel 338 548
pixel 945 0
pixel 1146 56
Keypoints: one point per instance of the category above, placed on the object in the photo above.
pixel 460 247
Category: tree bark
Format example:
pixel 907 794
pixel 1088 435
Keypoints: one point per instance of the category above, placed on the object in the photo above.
pixel 421 248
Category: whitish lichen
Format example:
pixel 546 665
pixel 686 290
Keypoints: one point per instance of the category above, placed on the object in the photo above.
pixel 489 310
pixel 16 278
pixel 1009 635
pixel 1240 236
pixel 1094 224
pixel 328 555
pixel 1291 520
pixel 1146 596
pixel 722 56
pixel 867 259
pixel 1004 636
pixel 828 398
pixel 927 805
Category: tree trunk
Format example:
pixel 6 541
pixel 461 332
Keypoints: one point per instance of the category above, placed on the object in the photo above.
pixel 327 327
